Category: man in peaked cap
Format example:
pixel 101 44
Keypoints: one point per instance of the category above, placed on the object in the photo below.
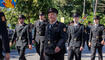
pixel 4 41
pixel 97 38
pixel 87 32
pixel 55 37
pixel 75 39
pixel 39 34
pixel 23 37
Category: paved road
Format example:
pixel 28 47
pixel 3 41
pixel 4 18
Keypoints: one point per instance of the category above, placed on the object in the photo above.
pixel 32 55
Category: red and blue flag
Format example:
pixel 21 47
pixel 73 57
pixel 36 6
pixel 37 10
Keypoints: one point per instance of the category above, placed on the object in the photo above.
pixel 8 3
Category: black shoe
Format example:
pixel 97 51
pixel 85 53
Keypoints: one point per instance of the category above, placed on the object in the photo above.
pixel 1 57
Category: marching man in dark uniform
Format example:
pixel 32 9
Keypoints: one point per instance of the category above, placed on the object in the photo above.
pixel 39 34
pixel 87 32
pixel 4 41
pixel 23 37
pixel 55 37
pixel 75 39
pixel 96 39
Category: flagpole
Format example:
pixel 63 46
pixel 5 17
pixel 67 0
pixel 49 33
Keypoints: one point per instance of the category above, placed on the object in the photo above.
pixel 95 8
pixel 0 9
pixel 84 8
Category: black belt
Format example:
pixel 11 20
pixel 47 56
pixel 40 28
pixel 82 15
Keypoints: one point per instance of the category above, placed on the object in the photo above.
pixel 72 47
pixel 97 37
pixel 49 41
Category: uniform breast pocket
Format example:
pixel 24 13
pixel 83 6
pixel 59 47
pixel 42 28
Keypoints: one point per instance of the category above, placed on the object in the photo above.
pixel 93 30
pixel 22 38
pixel 99 29
pixel 56 29
pixel 56 32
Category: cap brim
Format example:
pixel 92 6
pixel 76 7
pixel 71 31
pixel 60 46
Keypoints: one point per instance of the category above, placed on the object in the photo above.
pixel 52 12
pixel 41 14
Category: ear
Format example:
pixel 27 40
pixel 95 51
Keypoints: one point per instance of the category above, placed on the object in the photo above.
pixel 57 15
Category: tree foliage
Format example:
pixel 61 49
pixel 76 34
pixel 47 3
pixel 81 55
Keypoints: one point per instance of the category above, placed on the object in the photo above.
pixel 31 8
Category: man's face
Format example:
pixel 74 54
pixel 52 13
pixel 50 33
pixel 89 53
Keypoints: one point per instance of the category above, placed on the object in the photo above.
pixel 96 21
pixel 71 23
pixel 41 17
pixel 52 16
pixel 76 19
pixel 21 20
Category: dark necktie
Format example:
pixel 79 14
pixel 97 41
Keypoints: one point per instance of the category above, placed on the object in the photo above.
pixel 50 26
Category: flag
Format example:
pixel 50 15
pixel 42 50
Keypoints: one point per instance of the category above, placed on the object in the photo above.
pixel 8 3
pixel 84 17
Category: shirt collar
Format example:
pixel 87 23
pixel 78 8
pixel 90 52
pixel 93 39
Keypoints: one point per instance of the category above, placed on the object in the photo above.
pixel 75 24
pixel 54 22
pixel 22 24
pixel 41 20
pixel 96 24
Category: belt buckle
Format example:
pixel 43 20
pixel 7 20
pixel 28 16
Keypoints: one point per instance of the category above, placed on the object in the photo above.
pixel 54 41
pixel 49 42
pixel 75 39
pixel 19 38
pixel 39 32
pixel 97 37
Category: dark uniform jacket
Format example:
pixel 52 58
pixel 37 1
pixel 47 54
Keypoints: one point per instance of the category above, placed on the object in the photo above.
pixel 22 35
pixel 76 36
pixel 4 33
pixel 97 34
pixel 39 30
pixel 87 32
pixel 55 35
